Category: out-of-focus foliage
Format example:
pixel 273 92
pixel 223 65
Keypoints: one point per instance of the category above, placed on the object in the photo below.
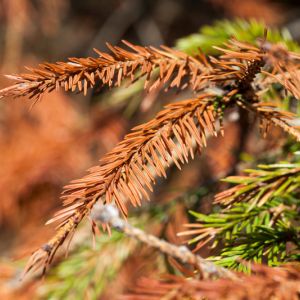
pixel 86 273
pixel 221 31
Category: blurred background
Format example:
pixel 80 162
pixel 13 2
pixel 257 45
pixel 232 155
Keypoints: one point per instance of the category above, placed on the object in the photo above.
pixel 44 147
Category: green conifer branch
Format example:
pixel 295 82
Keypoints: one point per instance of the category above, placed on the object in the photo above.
pixel 260 219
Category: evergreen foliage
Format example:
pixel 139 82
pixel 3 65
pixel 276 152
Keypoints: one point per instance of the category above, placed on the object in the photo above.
pixel 259 220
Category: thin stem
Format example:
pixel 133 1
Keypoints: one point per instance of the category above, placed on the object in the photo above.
pixel 109 215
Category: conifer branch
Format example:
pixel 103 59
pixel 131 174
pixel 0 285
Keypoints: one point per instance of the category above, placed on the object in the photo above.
pixel 176 69
pixel 262 184
pixel 239 62
pixel 255 223
pixel 285 67
pixel 130 169
pixel 269 114
pixel 249 232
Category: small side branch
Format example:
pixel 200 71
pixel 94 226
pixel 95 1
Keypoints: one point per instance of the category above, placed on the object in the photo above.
pixel 108 214
pixel 270 115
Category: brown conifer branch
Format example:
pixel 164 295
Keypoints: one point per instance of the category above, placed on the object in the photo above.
pixel 176 69
pixel 288 77
pixel 240 62
pixel 131 167
pixel 270 115
pixel 283 67
pixel 129 170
